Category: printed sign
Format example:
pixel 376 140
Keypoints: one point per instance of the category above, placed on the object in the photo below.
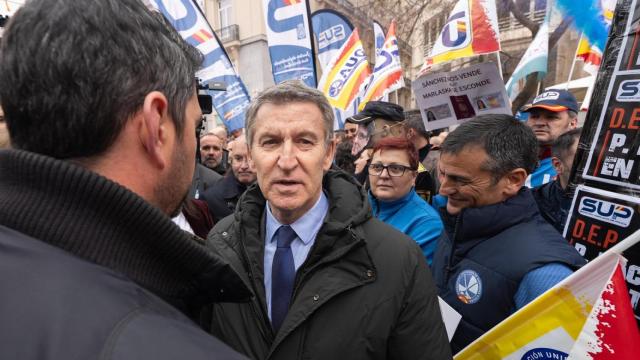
pixel 447 99
pixel 606 174
pixel 614 153
pixel 600 219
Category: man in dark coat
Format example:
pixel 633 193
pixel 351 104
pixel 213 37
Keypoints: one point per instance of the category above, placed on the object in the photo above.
pixel 497 253
pixel 102 117
pixel 223 196
pixel 552 198
pixel 330 281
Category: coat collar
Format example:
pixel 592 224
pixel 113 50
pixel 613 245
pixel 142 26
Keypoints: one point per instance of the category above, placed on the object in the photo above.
pixel 486 221
pixel 101 221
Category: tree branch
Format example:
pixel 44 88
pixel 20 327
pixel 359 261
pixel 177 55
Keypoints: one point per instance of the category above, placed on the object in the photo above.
pixel 522 18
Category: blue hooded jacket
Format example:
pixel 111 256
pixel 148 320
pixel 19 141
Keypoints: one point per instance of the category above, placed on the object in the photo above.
pixel 414 217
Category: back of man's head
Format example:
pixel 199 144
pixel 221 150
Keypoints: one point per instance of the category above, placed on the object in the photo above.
pixel 80 69
pixel 413 121
pixel 509 143
pixel 562 148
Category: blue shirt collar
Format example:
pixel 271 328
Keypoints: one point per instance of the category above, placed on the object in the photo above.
pixel 306 227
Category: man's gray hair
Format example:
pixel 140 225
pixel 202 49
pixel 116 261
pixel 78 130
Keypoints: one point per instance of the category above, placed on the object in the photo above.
pixel 509 143
pixel 290 91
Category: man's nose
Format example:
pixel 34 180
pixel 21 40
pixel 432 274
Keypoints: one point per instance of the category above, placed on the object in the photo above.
pixel 288 157
pixel 446 187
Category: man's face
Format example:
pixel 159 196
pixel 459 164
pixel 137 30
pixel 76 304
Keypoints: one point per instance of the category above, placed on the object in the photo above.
pixel 240 164
pixel 350 130
pixel 563 166
pixel 172 189
pixel 211 150
pixel 384 186
pixel 465 183
pixel 548 125
pixel 360 140
pixel 290 155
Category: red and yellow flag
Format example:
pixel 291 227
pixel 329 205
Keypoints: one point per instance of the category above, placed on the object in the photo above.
pixel 346 74
pixel 472 29
pixel 387 74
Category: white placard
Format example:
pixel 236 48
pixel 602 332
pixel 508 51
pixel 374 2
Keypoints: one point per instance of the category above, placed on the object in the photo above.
pixel 447 99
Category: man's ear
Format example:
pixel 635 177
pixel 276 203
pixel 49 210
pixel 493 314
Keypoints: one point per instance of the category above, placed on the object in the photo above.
pixel 153 128
pixel 573 123
pixel 514 180
pixel 557 164
pixel 331 152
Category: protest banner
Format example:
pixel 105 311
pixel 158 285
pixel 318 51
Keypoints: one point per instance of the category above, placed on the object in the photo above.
pixel 471 30
pixel 447 99
pixel 289 39
pixel 347 73
pixel 331 29
pixel 599 220
pixel 585 316
pixel 188 20
pixel 605 176
pixel 387 74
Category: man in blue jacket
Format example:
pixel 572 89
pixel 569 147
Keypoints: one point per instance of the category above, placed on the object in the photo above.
pixel 497 253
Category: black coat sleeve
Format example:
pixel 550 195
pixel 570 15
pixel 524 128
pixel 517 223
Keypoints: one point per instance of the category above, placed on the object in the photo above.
pixel 419 332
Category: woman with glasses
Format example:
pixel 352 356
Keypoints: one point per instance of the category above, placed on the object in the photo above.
pixel 392 176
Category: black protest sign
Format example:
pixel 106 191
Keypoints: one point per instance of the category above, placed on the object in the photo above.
pixel 606 171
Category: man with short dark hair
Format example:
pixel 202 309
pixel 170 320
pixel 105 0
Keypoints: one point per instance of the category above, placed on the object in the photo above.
pixel 330 281
pixel 212 151
pixel 551 114
pixel 552 198
pixel 350 130
pixel 102 117
pixel 223 196
pixel 497 253
pixel 427 181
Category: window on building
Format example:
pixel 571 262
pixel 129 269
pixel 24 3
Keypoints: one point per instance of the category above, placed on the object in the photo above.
pixel 224 10
pixel 541 5
pixel 432 29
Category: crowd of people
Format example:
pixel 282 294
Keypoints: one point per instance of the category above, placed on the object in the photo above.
pixel 124 236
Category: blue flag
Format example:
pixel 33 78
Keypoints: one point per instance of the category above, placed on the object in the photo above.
pixel 187 18
pixel 331 30
pixel 289 39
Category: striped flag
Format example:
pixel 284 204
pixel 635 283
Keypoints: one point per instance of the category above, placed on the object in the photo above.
pixel 588 51
pixel 472 29
pixel 199 37
pixel 387 74
pixel 586 316
pixel 346 74
pixel 533 60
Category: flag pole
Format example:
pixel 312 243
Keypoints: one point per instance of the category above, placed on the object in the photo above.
pixel 313 46
pixel 499 65
pixel 625 244
pixel 573 62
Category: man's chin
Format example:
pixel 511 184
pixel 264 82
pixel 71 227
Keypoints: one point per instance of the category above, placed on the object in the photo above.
pixel 210 164
pixel 453 210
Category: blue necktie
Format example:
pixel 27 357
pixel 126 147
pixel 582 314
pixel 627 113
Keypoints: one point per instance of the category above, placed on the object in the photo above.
pixel 283 274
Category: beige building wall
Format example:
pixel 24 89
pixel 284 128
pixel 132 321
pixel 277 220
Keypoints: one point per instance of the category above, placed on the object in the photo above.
pixel 244 37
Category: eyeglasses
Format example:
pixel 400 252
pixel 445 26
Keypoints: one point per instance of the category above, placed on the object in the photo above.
pixel 394 170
